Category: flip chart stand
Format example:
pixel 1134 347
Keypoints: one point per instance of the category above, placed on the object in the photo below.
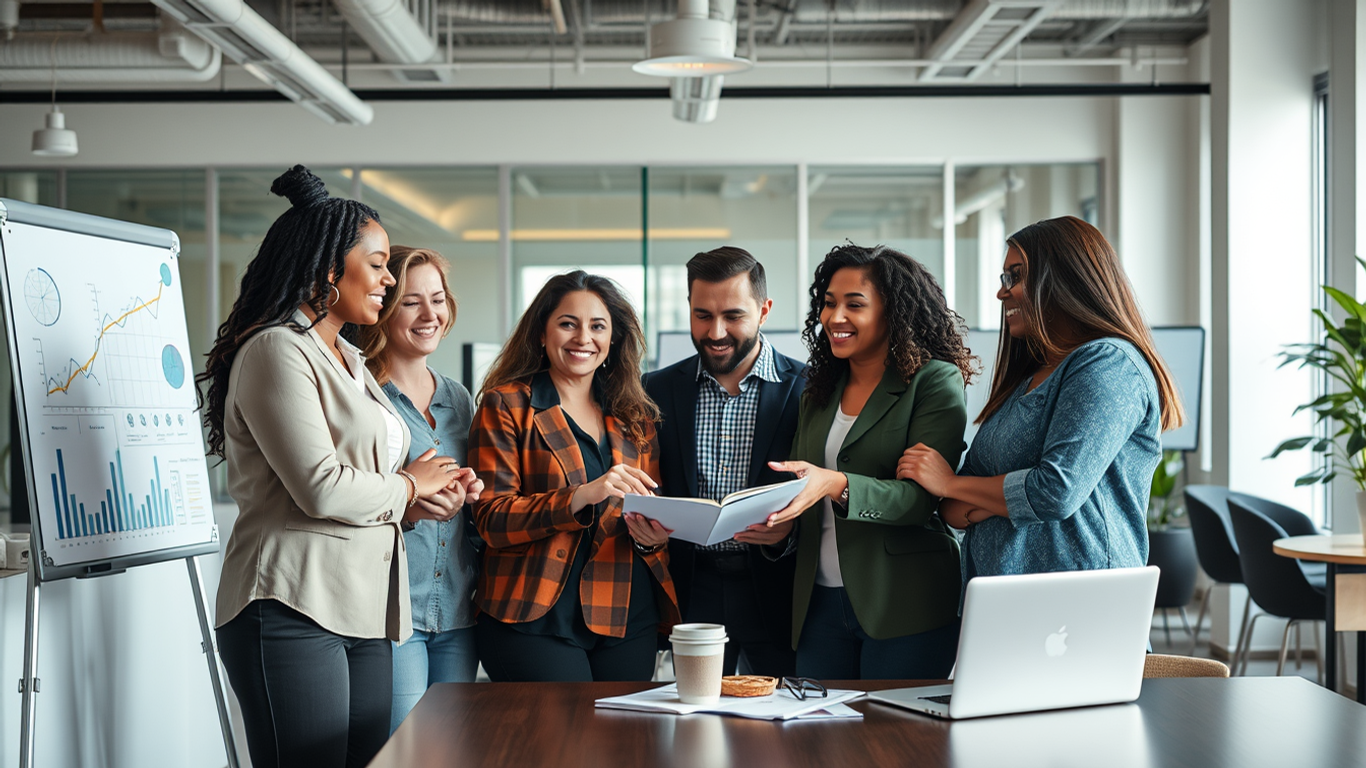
pixel 30 684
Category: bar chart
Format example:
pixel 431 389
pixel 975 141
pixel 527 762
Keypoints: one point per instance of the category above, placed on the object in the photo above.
pixel 120 510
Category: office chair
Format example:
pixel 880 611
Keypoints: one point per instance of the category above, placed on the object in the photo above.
pixel 1161 665
pixel 1281 586
pixel 1207 508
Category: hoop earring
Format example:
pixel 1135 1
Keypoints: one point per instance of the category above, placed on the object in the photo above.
pixel 331 291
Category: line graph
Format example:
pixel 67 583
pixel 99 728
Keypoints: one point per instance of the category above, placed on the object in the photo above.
pixel 120 321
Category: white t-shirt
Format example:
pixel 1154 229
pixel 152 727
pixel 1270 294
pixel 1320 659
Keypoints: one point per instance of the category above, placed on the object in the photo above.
pixel 828 569
pixel 355 364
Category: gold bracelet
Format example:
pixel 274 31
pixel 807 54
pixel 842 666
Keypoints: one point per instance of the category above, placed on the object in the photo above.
pixel 412 499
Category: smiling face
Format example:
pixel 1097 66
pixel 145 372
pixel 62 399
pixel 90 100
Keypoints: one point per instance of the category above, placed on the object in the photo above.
pixel 360 291
pixel 725 322
pixel 1012 299
pixel 578 335
pixel 852 317
pixel 421 314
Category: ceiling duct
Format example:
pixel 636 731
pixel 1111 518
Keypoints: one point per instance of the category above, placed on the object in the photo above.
pixel 271 57
pixel 1131 9
pixel 398 32
pixel 172 56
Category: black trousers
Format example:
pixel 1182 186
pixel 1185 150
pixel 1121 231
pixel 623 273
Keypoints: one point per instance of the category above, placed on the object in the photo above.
pixel 510 656
pixel 723 592
pixel 309 698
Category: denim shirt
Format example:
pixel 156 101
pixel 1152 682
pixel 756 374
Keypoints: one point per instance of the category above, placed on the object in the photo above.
pixel 442 561
pixel 1078 454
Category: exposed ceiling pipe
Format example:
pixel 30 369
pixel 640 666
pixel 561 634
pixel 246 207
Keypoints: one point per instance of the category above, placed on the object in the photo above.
pixel 1131 9
pixel 271 57
pixel 174 56
pixel 396 36
pixel 9 17
pixel 1101 30
pixel 389 29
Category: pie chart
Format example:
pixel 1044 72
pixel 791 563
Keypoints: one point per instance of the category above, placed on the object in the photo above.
pixel 42 297
pixel 173 366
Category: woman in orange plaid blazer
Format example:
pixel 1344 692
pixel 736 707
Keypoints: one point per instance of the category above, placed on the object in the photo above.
pixel 570 589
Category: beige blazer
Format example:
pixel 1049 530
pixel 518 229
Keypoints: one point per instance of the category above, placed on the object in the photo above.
pixel 308 465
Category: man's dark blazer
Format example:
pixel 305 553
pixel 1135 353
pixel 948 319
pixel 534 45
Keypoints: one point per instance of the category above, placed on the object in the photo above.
pixel 674 389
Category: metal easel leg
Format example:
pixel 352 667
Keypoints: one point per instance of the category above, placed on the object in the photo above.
pixel 211 656
pixel 29 683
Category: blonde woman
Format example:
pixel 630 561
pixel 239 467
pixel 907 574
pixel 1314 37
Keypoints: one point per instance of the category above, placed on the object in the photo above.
pixel 442 559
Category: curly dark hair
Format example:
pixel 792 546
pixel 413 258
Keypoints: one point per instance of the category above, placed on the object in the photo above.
pixel 920 325
pixel 305 247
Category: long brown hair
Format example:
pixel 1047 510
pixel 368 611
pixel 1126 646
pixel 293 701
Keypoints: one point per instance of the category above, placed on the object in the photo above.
pixel 374 339
pixel 1070 270
pixel 920 325
pixel 523 356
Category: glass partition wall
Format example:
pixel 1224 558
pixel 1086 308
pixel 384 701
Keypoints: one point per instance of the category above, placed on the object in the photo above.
pixel 507 230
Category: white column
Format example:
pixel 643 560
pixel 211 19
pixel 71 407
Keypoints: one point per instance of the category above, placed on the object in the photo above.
pixel 1263 57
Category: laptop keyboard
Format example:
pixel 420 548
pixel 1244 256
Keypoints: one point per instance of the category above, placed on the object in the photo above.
pixel 938 699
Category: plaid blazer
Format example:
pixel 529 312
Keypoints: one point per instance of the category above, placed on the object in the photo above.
pixel 530 464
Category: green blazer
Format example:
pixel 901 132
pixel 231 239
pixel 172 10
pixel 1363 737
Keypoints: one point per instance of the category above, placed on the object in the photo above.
pixel 898 560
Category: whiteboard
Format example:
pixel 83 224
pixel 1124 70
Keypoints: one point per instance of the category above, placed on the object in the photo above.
pixel 1182 348
pixel 106 394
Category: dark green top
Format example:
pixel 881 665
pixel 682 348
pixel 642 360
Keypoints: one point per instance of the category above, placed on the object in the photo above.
pixel 898 561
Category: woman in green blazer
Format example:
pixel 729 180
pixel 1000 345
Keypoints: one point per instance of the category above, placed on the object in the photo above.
pixel 876 591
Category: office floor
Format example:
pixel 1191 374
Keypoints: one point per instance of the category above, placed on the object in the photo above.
pixel 1180 644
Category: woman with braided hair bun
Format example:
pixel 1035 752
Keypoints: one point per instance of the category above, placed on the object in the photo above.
pixel 877 583
pixel 314 585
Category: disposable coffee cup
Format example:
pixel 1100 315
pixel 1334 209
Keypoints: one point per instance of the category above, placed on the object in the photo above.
pixel 699 657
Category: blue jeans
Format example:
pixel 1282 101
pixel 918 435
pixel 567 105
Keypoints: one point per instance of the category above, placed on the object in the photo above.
pixel 834 647
pixel 426 658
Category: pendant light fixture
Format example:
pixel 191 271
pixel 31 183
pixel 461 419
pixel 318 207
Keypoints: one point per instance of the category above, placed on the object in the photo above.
pixel 55 139
pixel 694 44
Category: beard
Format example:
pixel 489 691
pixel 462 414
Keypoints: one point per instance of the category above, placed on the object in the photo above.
pixel 723 366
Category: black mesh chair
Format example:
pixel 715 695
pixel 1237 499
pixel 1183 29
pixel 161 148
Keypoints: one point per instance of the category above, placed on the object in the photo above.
pixel 1281 586
pixel 1207 508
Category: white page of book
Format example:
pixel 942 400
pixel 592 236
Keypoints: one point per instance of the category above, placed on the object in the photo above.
pixel 708 523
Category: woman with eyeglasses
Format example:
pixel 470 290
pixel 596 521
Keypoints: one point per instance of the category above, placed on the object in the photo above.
pixel 878 574
pixel 1057 478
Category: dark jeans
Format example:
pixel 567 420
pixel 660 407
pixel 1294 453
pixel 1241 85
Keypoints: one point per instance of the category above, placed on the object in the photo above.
pixel 723 592
pixel 309 697
pixel 834 647
pixel 510 656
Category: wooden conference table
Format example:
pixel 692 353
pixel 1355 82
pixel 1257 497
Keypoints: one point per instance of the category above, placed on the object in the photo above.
pixel 1345 555
pixel 1206 722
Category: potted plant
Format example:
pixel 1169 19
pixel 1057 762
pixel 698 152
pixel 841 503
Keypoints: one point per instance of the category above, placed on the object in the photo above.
pixel 1170 547
pixel 1341 355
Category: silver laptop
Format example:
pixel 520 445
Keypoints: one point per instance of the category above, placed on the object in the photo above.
pixel 1044 641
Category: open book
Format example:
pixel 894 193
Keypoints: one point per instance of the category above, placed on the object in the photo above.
pixel 703 521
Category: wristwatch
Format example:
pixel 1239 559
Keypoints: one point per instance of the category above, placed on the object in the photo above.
pixel 644 550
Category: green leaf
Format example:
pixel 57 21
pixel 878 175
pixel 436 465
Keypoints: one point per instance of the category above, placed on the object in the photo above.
pixel 1311 478
pixel 1293 444
pixel 1345 300
pixel 1356 441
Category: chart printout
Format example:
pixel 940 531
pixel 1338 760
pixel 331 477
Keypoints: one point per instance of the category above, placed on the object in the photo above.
pixel 104 364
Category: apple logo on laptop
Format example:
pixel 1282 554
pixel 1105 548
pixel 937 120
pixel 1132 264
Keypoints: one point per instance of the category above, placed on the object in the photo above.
pixel 1056 644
